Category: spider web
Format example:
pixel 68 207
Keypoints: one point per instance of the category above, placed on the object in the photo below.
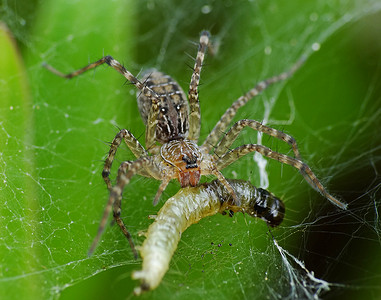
pixel 53 135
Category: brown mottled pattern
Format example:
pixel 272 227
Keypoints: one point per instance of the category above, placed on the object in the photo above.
pixel 172 120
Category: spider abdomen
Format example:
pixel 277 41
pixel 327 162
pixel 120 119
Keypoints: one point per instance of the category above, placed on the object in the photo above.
pixel 174 109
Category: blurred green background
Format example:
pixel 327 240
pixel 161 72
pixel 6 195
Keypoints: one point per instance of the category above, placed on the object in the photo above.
pixel 54 134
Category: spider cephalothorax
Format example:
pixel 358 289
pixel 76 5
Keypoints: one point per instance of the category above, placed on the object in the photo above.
pixel 186 157
pixel 175 125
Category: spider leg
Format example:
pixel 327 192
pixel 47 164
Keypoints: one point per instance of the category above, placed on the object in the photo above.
pixel 303 168
pixel 209 166
pixel 148 92
pixel 102 225
pixel 162 187
pixel 151 125
pixel 231 135
pixel 125 173
pixel 77 72
pixel 124 167
pixel 227 185
pixel 115 65
pixel 226 118
pixel 132 143
pixel 194 104
pixel 117 208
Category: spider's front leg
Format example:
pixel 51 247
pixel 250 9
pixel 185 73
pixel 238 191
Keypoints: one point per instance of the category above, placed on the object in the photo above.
pixel 194 104
pixel 303 168
pixel 209 166
pixel 126 171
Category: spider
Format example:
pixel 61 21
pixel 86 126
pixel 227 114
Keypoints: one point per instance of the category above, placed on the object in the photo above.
pixel 172 133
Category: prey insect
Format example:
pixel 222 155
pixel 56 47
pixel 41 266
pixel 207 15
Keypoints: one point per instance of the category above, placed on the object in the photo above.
pixel 188 207
pixel 172 134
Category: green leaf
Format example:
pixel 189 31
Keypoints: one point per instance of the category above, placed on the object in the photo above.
pixel 54 135
pixel 18 218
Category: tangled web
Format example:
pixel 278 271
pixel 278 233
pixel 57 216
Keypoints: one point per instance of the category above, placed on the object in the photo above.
pixel 52 134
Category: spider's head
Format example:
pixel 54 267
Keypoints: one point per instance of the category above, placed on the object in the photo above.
pixel 186 157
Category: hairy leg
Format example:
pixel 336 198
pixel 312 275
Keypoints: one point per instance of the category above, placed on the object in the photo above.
pixel 194 105
pixel 303 168
pixel 226 118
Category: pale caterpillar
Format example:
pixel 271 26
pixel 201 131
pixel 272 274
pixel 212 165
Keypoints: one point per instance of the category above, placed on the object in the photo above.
pixel 188 207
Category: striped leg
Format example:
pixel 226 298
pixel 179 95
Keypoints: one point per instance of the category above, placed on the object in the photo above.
pixel 195 114
pixel 225 120
pixel 146 91
pixel 77 72
pixel 125 166
pixel 303 168
pixel 227 185
pixel 115 65
pixel 133 144
pixel 228 139
pixel 161 189
pixel 152 122
pixel 115 198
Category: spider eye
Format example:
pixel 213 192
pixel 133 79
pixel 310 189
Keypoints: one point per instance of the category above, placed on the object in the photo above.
pixel 191 162
pixel 164 110
pixel 178 107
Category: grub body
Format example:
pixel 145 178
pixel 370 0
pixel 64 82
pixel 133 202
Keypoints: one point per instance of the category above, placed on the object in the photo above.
pixel 188 207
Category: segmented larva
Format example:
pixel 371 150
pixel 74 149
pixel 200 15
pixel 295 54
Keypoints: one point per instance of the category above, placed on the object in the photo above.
pixel 189 206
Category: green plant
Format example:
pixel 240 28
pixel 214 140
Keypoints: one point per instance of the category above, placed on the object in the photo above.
pixel 51 131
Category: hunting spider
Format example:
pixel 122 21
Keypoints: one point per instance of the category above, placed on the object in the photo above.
pixel 165 112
